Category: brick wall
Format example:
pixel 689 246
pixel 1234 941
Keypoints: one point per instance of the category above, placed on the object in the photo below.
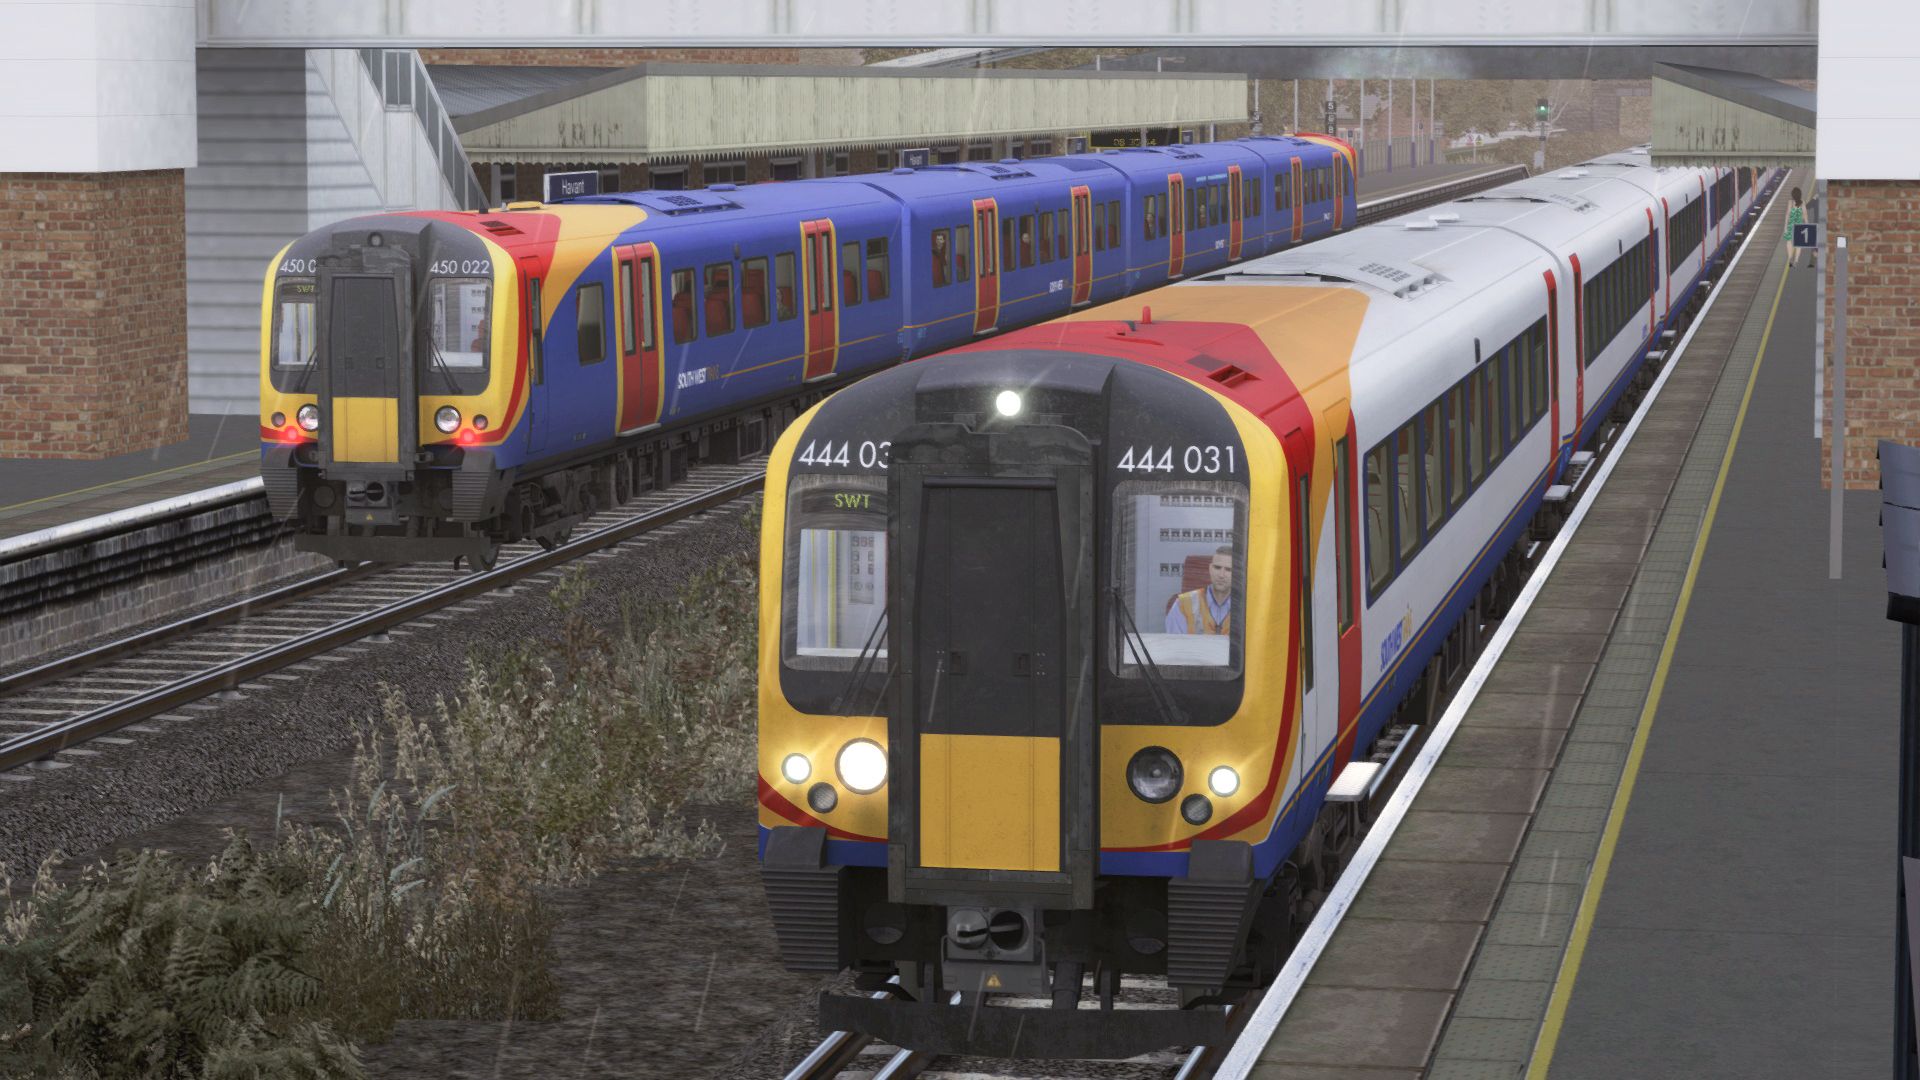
pixel 93 313
pixel 1881 221
pixel 569 57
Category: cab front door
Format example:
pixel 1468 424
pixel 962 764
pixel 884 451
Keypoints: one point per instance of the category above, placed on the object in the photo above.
pixel 992 730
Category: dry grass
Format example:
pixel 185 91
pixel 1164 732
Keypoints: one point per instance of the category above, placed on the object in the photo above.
pixel 423 899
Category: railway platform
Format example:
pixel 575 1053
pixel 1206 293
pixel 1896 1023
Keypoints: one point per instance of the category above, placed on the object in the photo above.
pixel 1659 843
pixel 40 494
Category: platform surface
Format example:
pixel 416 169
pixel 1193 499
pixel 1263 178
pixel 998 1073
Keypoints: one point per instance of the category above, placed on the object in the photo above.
pixel 1746 925
pixel 39 494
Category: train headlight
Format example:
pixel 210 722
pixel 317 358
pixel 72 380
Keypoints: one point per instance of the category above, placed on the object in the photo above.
pixel 447 419
pixel 796 768
pixel 863 766
pixel 278 419
pixel 1154 774
pixel 1196 809
pixel 309 417
pixel 1007 403
pixel 1223 781
pixel 480 422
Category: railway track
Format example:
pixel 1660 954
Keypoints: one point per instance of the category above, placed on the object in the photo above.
pixel 48 712
pixel 843 1055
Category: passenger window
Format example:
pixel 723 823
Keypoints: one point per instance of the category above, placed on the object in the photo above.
pixel 719 299
pixel 683 328
pixel 1009 252
pixel 1476 429
pixel 1514 373
pixel 535 361
pixel 850 273
pixel 1026 240
pixel 963 253
pixel 783 285
pixel 1148 231
pixel 1432 474
pixel 836 610
pixel 1178 577
pixel 1456 441
pixel 1303 531
pixel 1062 234
pixel 1490 399
pixel 647 334
pixel 1160 215
pixel 590 309
pixel 940 258
pixel 878 269
pixel 1113 224
pixel 753 293
pixel 626 307
pixel 1343 529
pixel 1046 238
pixel 1379 519
pixel 1542 384
pixel 1406 520
pixel 1099 226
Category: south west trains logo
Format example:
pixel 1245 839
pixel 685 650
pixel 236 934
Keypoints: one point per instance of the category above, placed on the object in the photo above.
pixel 696 377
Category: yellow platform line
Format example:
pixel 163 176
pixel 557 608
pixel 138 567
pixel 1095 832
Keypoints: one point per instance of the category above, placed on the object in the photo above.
pixel 1603 861
pixel 131 479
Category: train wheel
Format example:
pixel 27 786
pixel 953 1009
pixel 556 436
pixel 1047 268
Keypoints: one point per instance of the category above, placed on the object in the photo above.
pixel 487 559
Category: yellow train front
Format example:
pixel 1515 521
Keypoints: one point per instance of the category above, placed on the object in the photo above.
pixel 1026 694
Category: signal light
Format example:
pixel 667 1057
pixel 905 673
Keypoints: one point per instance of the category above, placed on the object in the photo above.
pixel 1540 110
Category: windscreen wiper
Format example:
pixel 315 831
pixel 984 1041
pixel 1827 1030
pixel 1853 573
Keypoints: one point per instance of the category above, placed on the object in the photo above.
pixel 1137 644
pixel 862 665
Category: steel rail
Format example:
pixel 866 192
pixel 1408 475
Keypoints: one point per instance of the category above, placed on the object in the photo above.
pixel 1388 206
pixel 50 740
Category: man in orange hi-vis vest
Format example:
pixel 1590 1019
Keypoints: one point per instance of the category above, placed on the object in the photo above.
pixel 1208 610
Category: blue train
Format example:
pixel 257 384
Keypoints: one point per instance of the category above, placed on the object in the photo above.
pixel 435 384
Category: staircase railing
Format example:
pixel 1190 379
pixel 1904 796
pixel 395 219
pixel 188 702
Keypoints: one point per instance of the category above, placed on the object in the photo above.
pixel 404 84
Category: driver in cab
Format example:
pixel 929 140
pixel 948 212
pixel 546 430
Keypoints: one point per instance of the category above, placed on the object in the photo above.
pixel 1208 610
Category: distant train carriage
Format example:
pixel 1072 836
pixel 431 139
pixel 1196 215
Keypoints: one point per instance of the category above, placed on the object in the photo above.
pixel 436 384
pixel 1066 634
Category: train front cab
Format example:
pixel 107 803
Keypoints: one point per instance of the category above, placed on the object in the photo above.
pixel 1002 846
pixel 389 358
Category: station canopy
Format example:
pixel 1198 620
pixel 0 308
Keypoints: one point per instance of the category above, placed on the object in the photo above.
pixel 662 113
pixel 1705 116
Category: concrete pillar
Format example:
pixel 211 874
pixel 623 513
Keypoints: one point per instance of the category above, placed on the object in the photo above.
pixel 97 124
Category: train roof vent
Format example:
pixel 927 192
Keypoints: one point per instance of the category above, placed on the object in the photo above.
pixel 1400 279
pixel 501 228
pixel 1004 172
pixel 677 203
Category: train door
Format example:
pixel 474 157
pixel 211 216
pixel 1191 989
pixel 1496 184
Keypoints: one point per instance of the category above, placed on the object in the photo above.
pixel 1082 246
pixel 1306 544
pixel 1177 219
pixel 1299 211
pixel 1553 363
pixel 643 380
pixel 818 274
pixel 1339 191
pixel 1341 701
pixel 1236 213
pixel 534 417
pixel 1579 351
pixel 986 239
pixel 993 750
